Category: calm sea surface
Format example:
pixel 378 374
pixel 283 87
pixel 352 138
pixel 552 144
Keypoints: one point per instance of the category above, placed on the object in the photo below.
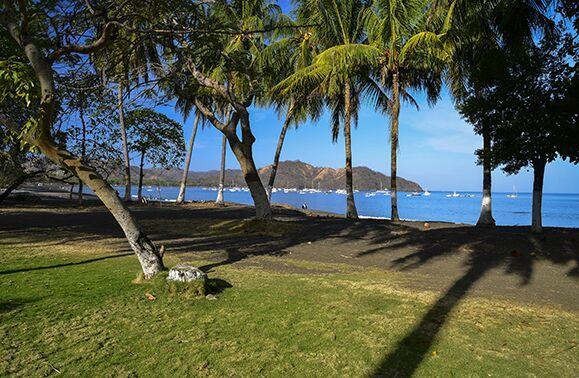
pixel 558 209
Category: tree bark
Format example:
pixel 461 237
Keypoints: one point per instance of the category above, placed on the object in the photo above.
pixel 148 255
pixel 538 177
pixel 219 199
pixel 126 158
pixel 183 186
pixel 140 188
pixel 16 183
pixel 82 154
pixel 351 212
pixel 243 151
pixel 278 154
pixel 394 148
pixel 486 214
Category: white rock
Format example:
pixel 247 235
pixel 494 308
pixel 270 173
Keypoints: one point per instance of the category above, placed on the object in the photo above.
pixel 186 273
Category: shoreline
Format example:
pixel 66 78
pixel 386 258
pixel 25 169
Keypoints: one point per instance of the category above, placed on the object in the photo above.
pixel 62 196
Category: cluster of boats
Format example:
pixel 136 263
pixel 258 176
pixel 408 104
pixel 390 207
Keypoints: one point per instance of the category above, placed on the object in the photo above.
pixel 458 195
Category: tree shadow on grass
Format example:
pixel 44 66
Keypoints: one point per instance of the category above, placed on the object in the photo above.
pixel 413 348
pixel 10 305
pixel 83 262
pixel 516 251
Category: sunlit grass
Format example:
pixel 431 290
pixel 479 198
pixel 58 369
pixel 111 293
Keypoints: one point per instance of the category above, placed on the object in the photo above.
pixel 89 318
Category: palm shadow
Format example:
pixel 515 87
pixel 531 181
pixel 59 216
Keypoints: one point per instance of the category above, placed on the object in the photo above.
pixel 413 348
pixel 10 305
pixel 485 255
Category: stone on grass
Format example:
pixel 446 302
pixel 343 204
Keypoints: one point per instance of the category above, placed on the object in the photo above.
pixel 187 281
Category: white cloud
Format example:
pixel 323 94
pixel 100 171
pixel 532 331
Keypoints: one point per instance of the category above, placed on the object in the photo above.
pixel 442 129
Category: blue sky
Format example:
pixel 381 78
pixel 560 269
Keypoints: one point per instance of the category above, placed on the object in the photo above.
pixel 436 148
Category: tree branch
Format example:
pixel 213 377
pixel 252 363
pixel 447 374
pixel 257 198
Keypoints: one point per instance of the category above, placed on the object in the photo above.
pixel 85 49
pixel 210 115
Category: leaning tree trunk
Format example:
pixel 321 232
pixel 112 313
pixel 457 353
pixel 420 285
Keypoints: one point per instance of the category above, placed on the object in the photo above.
pixel 82 155
pixel 278 154
pixel 183 186
pixel 394 148
pixel 243 151
pixel 351 212
pixel 16 183
pixel 140 189
pixel 126 158
pixel 149 257
pixel 219 199
pixel 538 176
pixel 486 214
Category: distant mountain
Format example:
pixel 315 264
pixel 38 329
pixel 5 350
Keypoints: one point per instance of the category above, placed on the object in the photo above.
pixel 290 174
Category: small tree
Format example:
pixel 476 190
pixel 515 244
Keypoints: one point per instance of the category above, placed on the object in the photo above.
pixel 156 138
pixel 90 133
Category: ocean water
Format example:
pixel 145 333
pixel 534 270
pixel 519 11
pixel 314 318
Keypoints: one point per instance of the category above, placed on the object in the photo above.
pixel 561 210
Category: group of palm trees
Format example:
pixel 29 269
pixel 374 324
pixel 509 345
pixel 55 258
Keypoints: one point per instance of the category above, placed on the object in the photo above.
pixel 337 55
pixel 223 58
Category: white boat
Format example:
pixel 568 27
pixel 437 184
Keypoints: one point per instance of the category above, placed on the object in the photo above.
pixel 341 191
pixel 514 194
pixel 414 194
pixel 454 195
pixel 426 193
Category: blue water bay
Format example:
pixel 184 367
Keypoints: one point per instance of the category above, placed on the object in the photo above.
pixel 561 210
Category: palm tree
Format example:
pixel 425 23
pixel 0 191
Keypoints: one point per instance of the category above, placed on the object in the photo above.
pixel 394 28
pixel 227 66
pixel 280 60
pixel 183 185
pixel 335 82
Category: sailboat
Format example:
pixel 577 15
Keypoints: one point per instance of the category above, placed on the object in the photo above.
pixel 514 194
pixel 426 193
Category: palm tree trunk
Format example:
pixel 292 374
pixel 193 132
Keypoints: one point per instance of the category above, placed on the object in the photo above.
pixel 126 158
pixel 351 212
pixel 486 214
pixel 219 199
pixel 183 186
pixel 538 176
pixel 394 147
pixel 140 188
pixel 277 155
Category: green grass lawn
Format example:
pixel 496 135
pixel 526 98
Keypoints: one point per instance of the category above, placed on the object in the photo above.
pixel 90 319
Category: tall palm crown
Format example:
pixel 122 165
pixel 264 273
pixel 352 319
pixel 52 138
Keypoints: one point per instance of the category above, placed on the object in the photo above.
pixel 392 27
pixel 337 82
